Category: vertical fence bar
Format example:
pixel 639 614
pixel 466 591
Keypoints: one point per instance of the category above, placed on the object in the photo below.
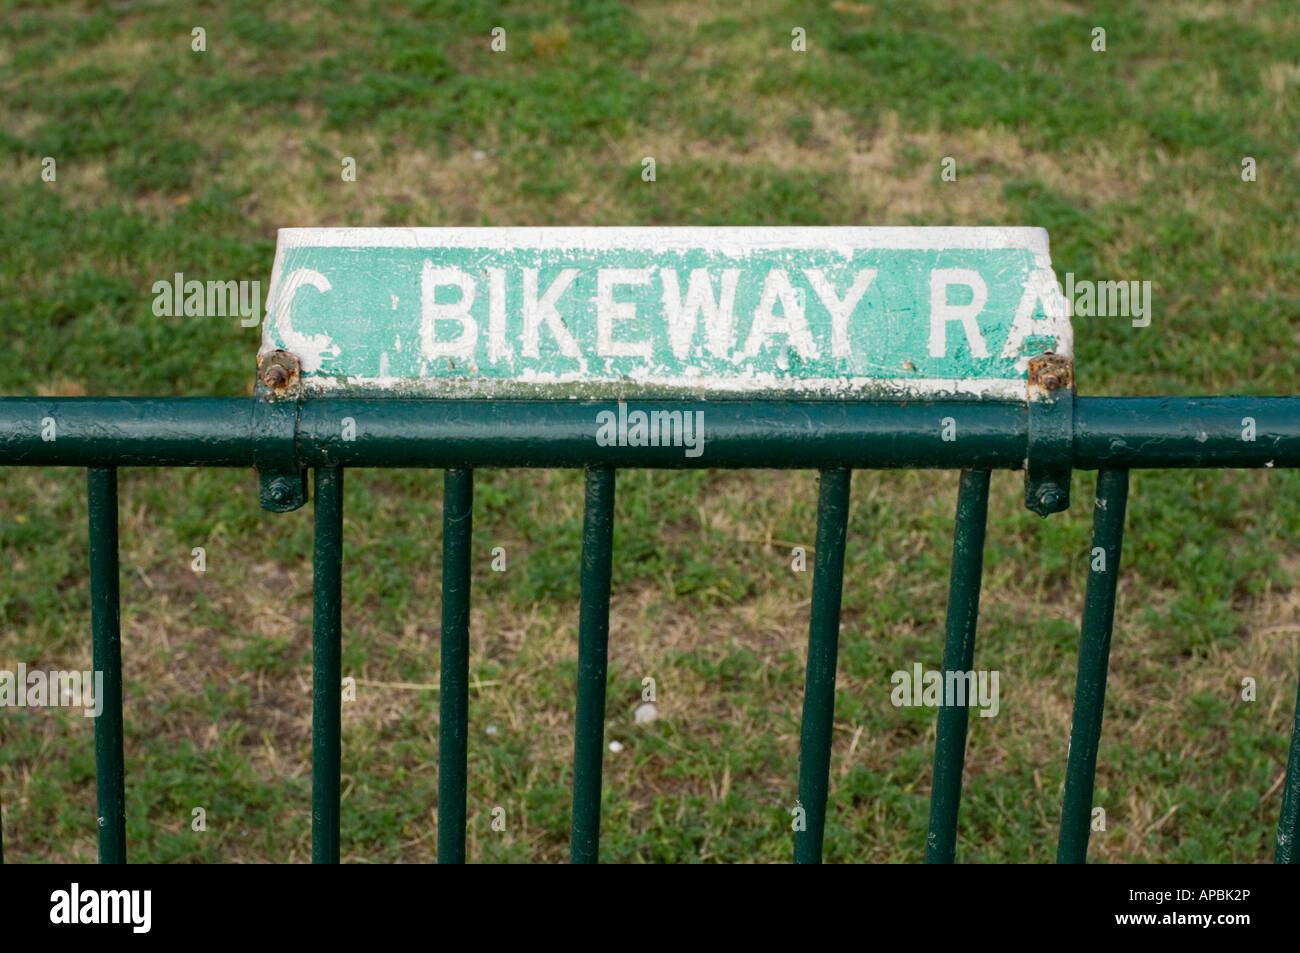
pixel 1288 825
pixel 1094 659
pixel 958 656
pixel 106 652
pixel 823 651
pixel 593 644
pixel 453 723
pixel 326 666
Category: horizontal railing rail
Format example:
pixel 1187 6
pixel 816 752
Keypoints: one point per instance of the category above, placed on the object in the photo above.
pixel 1107 432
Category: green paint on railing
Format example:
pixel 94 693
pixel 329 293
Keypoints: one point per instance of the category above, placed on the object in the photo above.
pixel 1094 660
pixel 1115 432
pixel 819 680
pixel 106 641
pixel 453 682
pixel 958 657
pixel 327 667
pixel 1288 827
pixel 593 661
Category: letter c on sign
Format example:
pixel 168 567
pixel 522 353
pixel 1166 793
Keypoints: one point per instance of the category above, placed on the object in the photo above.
pixel 309 349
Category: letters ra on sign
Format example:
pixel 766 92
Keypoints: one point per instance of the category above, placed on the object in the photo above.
pixel 666 312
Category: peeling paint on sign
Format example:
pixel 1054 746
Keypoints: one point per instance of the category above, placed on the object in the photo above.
pixel 621 312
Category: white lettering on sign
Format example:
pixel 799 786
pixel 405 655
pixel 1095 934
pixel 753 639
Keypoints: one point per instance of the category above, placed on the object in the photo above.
pixel 538 311
pixel 608 311
pixel 779 313
pixel 499 348
pixel 431 313
pixel 840 308
pixel 790 322
pixel 941 312
pixel 683 315
pixel 311 350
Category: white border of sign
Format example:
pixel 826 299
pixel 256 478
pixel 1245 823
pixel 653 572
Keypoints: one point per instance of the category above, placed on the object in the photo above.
pixel 734 241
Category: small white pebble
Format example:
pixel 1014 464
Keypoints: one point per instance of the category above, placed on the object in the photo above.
pixel 479 154
pixel 616 746
pixel 645 712
pixel 491 729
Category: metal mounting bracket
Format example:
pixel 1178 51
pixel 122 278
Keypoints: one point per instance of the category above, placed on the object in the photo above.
pixel 1051 433
pixel 282 483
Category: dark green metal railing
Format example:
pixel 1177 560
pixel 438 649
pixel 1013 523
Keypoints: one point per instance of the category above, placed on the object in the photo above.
pixel 593 659
pixel 327 666
pixel 1112 435
pixel 823 650
pixel 106 657
pixel 958 656
pixel 1094 656
pixel 453 716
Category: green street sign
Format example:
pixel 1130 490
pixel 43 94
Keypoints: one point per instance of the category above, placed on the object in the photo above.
pixel 672 312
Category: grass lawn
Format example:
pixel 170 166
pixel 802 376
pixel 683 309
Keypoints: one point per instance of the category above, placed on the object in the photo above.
pixel 170 160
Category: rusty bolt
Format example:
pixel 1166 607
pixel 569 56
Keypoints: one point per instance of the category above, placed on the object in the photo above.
pixel 274 375
pixel 277 370
pixel 1050 372
pixel 1050 496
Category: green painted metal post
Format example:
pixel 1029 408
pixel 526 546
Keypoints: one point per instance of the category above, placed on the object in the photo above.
pixel 823 652
pixel 453 721
pixel 106 652
pixel 1094 659
pixel 1288 826
pixel 593 645
pixel 326 666
pixel 958 656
